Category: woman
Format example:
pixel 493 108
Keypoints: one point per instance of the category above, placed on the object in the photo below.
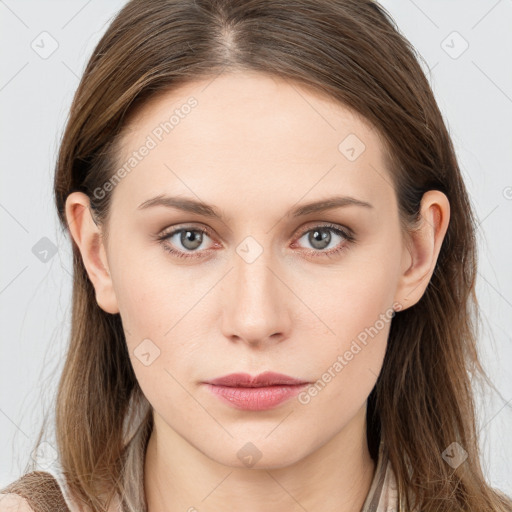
pixel 274 271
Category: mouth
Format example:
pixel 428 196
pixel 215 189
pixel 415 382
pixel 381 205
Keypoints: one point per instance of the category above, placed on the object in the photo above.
pixel 262 392
pixel 244 380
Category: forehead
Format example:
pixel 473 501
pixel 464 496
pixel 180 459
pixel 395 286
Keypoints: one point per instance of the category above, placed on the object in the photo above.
pixel 244 134
pixel 248 101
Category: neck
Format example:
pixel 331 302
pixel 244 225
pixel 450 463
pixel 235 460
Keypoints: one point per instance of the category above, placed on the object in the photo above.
pixel 334 478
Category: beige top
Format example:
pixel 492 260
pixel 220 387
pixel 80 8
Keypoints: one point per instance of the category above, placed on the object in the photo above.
pixel 383 493
pixel 382 496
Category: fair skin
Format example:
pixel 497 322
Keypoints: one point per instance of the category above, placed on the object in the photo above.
pixel 256 147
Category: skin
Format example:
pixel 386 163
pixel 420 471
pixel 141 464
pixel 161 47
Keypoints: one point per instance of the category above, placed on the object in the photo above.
pixel 256 147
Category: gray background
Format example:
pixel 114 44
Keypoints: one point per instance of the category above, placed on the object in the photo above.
pixel 473 87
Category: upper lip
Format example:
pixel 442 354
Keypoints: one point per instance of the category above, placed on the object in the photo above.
pixel 263 379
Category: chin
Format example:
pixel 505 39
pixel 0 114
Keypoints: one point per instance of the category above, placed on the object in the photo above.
pixel 263 454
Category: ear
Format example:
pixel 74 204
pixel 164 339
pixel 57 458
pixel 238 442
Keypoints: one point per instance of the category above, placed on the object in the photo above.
pixel 87 236
pixel 422 248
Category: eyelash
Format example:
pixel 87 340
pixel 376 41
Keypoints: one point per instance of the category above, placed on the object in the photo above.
pixel 348 235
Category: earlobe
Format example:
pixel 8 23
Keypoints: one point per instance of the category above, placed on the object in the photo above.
pixel 423 248
pixel 87 236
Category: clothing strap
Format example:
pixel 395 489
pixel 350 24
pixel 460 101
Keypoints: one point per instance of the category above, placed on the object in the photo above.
pixel 41 490
pixel 375 498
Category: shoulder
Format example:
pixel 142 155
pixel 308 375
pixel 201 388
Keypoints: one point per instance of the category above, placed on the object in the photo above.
pixel 36 490
pixel 11 502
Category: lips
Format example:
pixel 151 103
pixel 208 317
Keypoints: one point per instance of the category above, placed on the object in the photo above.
pixel 244 380
pixel 262 392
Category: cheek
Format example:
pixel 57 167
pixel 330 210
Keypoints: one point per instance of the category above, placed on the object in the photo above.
pixel 353 296
pixel 158 335
pixel 349 362
pixel 357 309
pixel 146 289
pixel 161 310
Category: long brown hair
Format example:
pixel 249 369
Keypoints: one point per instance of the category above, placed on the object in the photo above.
pixel 352 51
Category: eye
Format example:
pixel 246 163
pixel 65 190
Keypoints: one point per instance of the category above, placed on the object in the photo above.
pixel 320 238
pixel 189 240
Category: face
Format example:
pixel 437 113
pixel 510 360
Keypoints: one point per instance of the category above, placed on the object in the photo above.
pixel 267 285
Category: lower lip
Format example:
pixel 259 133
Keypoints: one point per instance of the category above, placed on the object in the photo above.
pixel 256 399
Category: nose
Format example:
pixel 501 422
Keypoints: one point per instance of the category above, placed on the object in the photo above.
pixel 256 303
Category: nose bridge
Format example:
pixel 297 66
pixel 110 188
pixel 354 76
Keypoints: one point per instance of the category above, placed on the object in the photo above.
pixel 255 311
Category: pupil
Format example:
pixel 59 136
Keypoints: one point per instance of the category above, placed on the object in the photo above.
pixel 324 236
pixel 188 237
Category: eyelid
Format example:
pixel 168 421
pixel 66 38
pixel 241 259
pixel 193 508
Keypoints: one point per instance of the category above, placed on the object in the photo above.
pixel 172 230
pixel 342 230
pixel 326 224
pixel 185 225
pixel 310 225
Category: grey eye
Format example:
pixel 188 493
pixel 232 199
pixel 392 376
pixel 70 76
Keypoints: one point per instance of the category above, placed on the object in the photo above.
pixel 319 237
pixel 190 239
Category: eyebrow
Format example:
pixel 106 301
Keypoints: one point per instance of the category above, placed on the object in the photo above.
pixel 198 207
